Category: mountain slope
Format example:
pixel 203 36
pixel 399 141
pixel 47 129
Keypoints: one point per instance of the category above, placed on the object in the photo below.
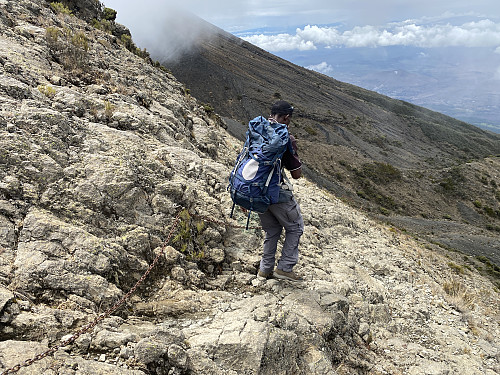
pixel 388 157
pixel 100 150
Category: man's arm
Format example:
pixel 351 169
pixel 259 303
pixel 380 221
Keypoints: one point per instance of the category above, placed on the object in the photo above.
pixel 295 165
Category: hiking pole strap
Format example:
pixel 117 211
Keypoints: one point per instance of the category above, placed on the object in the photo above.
pixel 232 210
pixel 248 218
pixel 268 181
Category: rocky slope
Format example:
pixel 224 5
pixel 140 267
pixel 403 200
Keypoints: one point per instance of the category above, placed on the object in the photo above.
pixel 100 150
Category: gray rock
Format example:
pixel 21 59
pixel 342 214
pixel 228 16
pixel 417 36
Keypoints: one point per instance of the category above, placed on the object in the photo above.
pixel 5 297
pixel 107 340
pixel 149 350
pixel 16 352
pixel 177 356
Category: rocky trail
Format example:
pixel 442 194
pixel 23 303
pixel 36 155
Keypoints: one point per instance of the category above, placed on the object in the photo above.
pixel 100 150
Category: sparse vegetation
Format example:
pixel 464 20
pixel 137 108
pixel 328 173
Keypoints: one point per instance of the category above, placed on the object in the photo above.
pixel 128 43
pixel 382 173
pixel 208 109
pixel 52 34
pixel 452 181
pixel 187 237
pixel 80 40
pixel 490 267
pixel 60 8
pixel 47 90
pixel 459 296
pixel 369 192
pixel 68 48
pixel 491 212
pixel 456 268
pixel 310 130
pixel 109 109
pixel 103 25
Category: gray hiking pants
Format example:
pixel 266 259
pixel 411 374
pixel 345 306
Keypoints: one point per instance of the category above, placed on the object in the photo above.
pixel 278 216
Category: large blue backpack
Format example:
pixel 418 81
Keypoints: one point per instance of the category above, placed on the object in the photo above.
pixel 255 180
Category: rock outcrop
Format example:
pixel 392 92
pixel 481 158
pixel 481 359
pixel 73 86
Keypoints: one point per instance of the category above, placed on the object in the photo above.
pixel 99 152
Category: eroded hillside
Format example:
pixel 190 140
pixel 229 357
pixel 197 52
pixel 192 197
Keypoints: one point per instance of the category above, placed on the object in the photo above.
pixel 100 150
pixel 418 169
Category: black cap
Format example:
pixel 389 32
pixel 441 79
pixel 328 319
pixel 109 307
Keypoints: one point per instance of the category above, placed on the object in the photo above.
pixel 281 107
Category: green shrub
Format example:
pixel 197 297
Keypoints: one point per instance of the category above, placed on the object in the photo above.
pixel 208 109
pixel 103 25
pixel 127 42
pixel 491 212
pixel 491 268
pixel 142 53
pixel 382 173
pixel 109 14
pixel 369 192
pixel 60 8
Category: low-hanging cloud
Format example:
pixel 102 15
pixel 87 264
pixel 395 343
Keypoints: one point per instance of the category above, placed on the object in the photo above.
pixel 483 33
pixel 166 28
pixel 322 67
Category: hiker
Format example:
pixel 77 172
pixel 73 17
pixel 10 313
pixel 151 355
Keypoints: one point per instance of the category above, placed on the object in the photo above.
pixel 284 214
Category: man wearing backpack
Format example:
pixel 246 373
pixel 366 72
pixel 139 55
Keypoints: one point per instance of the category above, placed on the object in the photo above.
pixel 284 214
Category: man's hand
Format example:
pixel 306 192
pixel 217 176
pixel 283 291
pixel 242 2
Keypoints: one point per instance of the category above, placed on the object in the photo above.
pixel 296 173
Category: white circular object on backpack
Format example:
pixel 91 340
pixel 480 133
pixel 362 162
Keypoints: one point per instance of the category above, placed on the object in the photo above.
pixel 250 170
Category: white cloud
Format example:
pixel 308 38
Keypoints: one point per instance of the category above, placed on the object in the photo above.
pixel 323 67
pixel 281 42
pixel 484 33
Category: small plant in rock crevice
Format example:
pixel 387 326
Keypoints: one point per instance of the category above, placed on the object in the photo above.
pixel 48 91
pixel 109 109
pixel 187 237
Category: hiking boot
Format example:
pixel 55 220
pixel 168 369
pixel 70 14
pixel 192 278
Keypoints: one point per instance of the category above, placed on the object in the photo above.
pixel 265 275
pixel 291 276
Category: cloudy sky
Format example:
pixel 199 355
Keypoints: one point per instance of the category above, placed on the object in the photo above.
pixel 317 34
pixel 235 16
pixel 301 26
